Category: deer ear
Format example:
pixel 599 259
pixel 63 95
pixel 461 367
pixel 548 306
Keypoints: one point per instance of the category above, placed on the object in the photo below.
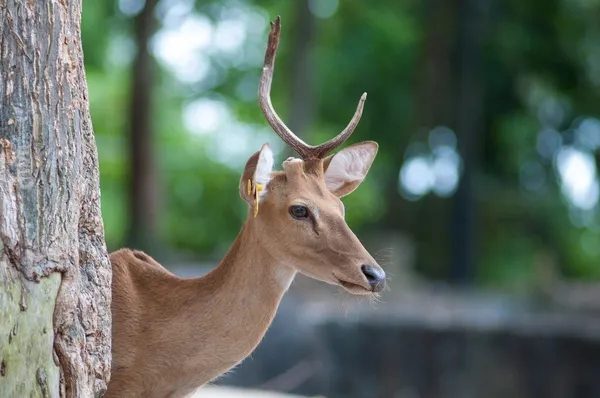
pixel 256 176
pixel 345 170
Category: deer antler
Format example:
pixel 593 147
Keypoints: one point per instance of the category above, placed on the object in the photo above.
pixel 303 149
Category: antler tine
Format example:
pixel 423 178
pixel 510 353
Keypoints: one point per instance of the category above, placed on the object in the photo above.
pixel 303 149
pixel 321 150
pixel 264 96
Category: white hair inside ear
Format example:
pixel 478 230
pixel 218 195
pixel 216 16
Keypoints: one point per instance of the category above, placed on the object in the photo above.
pixel 264 167
pixel 349 167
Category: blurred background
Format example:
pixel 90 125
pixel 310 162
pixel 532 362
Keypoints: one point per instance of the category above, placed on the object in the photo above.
pixel 482 204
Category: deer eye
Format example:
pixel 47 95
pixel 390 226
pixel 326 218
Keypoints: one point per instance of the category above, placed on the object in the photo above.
pixel 299 212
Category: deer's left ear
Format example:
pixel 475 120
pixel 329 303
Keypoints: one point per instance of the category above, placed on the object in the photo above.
pixel 345 170
pixel 256 176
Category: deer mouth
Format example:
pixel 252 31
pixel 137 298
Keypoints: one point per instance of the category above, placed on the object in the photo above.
pixel 353 287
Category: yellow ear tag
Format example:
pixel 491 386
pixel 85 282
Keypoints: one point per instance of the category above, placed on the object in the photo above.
pixel 258 189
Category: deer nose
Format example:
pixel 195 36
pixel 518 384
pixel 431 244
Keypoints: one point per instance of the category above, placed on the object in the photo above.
pixel 375 276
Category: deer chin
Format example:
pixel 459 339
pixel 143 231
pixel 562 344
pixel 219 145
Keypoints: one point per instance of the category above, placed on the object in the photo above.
pixel 353 288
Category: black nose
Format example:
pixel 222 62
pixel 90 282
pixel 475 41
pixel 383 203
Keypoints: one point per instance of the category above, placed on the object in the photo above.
pixel 375 276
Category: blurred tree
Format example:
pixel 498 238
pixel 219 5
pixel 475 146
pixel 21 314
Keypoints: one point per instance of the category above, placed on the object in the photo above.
pixel 471 22
pixel 433 91
pixel 144 181
pixel 302 70
pixel 485 71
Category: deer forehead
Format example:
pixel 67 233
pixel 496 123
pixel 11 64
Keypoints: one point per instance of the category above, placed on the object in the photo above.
pixel 302 183
pixel 309 191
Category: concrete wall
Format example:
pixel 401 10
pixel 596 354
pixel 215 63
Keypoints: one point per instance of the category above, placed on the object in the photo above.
pixel 444 347
pixel 402 360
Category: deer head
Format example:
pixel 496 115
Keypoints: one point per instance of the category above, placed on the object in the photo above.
pixel 297 213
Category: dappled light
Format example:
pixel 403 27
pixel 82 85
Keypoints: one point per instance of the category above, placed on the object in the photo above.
pixel 189 44
pixel 535 140
pixel 183 48
pixel 482 204
pixel 227 140
pixel 548 143
pixel 131 7
pixel 323 8
pixel 205 116
pixel 579 181
pixel 435 168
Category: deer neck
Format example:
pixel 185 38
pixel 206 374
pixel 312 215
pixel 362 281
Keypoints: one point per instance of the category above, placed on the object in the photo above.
pixel 249 273
pixel 239 299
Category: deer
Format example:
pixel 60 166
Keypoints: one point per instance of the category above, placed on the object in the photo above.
pixel 173 335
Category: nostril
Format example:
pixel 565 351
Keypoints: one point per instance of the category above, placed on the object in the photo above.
pixel 375 275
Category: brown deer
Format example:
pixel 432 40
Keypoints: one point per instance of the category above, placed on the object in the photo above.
pixel 172 335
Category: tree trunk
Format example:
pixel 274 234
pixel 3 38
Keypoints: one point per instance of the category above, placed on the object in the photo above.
pixel 432 99
pixel 143 205
pixel 469 128
pixel 301 109
pixel 55 273
pixel 300 114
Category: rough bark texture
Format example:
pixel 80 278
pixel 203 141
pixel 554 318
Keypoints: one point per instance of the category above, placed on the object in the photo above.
pixel 54 270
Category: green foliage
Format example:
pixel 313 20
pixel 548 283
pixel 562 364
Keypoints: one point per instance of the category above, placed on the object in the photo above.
pixel 530 51
pixel 108 93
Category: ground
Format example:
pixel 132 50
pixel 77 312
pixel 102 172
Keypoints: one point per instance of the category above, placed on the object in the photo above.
pixel 228 392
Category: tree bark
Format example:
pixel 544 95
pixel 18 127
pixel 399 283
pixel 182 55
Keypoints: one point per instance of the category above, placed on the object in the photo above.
pixel 55 275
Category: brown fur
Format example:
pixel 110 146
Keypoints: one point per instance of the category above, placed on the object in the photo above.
pixel 172 335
